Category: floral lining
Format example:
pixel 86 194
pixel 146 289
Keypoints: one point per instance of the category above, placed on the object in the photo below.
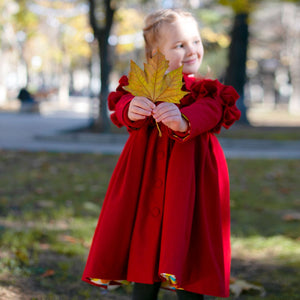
pixel 169 282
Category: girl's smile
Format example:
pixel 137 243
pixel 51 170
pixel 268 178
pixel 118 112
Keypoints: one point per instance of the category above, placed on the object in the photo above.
pixel 190 62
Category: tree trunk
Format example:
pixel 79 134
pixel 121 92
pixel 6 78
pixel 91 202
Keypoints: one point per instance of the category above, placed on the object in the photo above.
pixel 236 70
pixel 3 71
pixel 102 123
pixel 291 13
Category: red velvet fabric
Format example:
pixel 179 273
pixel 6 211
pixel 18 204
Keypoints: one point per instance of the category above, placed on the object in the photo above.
pixel 167 205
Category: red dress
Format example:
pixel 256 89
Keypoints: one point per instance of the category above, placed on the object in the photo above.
pixel 166 211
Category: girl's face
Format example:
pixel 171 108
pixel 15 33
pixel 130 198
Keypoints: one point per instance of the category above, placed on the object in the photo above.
pixel 181 44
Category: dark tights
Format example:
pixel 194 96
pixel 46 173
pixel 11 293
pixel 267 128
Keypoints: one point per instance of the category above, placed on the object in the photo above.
pixel 143 291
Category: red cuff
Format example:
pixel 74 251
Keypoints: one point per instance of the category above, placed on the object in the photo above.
pixel 131 124
pixel 182 136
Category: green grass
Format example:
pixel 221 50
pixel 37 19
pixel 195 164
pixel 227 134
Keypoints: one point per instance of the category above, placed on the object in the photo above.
pixel 250 132
pixel 50 202
pixel 262 133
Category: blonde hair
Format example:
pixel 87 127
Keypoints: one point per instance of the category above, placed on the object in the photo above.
pixel 154 23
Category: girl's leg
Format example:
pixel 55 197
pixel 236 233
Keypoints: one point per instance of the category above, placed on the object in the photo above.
pixel 142 291
pixel 185 295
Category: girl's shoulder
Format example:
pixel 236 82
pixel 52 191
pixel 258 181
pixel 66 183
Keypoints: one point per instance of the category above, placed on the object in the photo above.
pixel 203 89
pixel 204 85
pixel 200 87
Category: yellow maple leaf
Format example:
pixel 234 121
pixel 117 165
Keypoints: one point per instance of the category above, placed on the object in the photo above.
pixel 154 83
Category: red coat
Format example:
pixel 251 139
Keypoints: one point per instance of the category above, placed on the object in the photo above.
pixel 167 205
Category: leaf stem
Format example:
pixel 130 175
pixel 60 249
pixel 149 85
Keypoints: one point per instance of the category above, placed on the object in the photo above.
pixel 159 131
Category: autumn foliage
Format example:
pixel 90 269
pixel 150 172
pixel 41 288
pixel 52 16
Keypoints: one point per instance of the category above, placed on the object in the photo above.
pixel 154 82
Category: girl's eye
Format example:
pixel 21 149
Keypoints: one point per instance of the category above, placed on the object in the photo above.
pixel 179 46
pixel 197 42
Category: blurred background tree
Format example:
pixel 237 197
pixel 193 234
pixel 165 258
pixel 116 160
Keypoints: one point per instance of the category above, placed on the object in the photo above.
pixel 101 14
pixel 47 42
pixel 25 24
pixel 235 74
pixel 236 70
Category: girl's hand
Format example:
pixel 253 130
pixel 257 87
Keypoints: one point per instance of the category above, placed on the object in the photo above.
pixel 170 115
pixel 140 108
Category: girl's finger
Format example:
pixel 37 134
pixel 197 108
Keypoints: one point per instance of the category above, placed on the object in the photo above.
pixel 141 110
pixel 166 111
pixel 164 107
pixel 144 103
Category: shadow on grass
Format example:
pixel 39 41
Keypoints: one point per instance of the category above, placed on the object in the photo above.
pixel 54 276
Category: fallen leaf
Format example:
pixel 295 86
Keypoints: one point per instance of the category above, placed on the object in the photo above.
pixel 70 239
pixel 238 286
pixel 45 203
pixel 48 273
pixel 292 216
pixel 44 246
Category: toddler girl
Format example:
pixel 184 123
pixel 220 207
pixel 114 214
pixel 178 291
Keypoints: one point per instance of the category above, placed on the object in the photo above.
pixel 165 220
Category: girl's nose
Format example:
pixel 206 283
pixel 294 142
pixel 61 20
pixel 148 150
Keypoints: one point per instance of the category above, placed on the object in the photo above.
pixel 191 49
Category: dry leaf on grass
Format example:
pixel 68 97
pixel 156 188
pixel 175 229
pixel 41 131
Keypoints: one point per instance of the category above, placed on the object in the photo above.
pixel 292 216
pixel 238 286
pixel 73 240
pixel 48 273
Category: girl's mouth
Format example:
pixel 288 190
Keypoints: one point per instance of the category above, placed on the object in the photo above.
pixel 190 61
